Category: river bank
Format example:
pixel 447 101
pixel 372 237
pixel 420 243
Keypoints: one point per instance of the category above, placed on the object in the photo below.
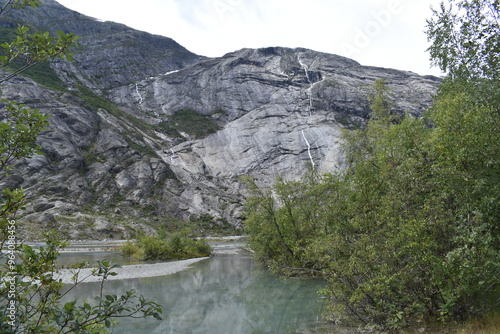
pixel 67 276
pixel 220 245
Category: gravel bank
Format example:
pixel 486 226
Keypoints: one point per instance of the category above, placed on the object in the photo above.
pixel 129 271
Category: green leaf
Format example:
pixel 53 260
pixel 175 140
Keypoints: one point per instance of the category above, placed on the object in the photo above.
pixel 68 307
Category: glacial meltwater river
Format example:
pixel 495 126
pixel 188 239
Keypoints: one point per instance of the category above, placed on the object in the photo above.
pixel 230 294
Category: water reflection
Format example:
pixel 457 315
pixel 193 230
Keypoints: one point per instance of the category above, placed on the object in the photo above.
pixel 224 294
pixel 69 258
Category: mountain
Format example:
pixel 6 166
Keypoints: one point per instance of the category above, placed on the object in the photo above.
pixel 109 54
pixel 147 131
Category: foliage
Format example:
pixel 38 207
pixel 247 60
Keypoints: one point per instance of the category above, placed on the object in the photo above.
pixel 465 38
pixel 18 4
pixel 130 249
pixel 177 246
pixel 38 298
pixel 18 131
pixel 410 229
pixel 42 73
pixel 30 296
pixel 29 49
pixel 189 121
pixel 465 43
pixel 283 222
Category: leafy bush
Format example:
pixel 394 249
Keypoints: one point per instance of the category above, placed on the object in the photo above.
pixel 176 246
pixel 130 249
pixel 31 298
pixel 42 73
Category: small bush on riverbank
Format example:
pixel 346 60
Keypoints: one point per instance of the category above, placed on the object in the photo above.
pixel 131 249
pixel 176 246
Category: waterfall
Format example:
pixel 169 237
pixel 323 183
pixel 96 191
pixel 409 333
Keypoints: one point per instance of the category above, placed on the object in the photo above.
pixel 139 94
pixel 308 149
pixel 305 69
pixel 170 72
pixel 173 156
pixel 311 84
pixel 309 94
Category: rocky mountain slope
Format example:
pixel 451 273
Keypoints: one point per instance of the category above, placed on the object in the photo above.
pixel 109 54
pixel 147 132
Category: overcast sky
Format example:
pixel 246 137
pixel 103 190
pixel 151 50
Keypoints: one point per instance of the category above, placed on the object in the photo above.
pixel 386 33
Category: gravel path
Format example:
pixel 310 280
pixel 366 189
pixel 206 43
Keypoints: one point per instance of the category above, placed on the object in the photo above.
pixel 129 271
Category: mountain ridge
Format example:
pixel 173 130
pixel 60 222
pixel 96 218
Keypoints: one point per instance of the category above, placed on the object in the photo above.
pixel 97 61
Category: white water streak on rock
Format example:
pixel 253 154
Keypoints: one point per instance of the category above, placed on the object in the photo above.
pixel 173 156
pixel 309 94
pixel 174 71
pixel 139 94
pixel 308 90
pixel 308 149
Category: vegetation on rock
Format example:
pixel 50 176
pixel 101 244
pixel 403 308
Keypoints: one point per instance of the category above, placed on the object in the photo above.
pixel 189 122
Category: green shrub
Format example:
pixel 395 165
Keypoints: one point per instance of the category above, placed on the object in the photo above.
pixel 188 121
pixel 130 249
pixel 153 248
pixel 201 248
pixel 175 246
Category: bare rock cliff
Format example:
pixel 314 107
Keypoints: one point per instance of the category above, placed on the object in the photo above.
pixel 279 109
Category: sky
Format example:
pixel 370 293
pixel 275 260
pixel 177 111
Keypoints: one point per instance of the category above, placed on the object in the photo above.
pixel 385 33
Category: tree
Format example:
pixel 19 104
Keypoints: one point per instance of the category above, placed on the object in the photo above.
pixel 30 295
pixel 280 223
pixel 465 43
pixel 465 38
pixel 410 229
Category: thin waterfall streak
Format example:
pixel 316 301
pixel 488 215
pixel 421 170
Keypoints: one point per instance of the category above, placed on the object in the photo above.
pixel 305 69
pixel 139 94
pixel 172 156
pixel 311 84
pixel 309 93
pixel 174 71
pixel 308 149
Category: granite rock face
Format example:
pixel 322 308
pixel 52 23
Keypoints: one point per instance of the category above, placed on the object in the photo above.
pixel 280 108
pixel 112 167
